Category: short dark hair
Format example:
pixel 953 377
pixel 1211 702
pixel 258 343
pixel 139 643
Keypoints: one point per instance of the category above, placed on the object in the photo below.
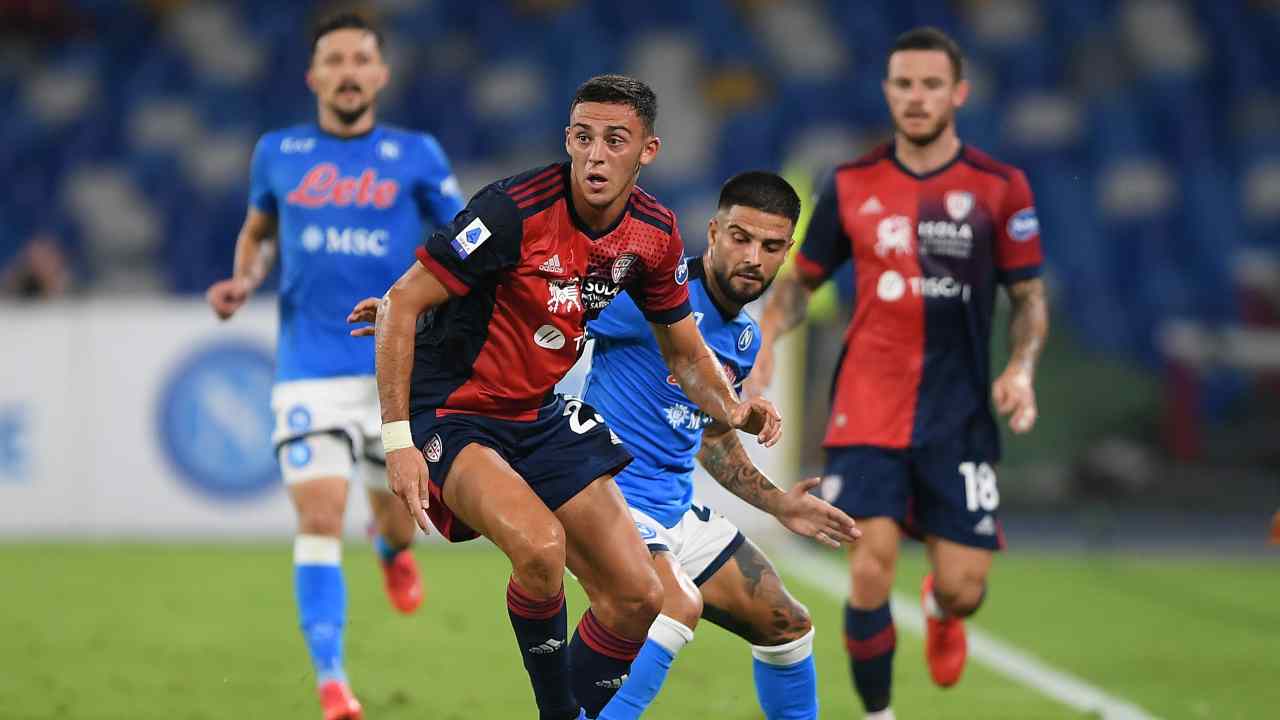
pixel 621 90
pixel 344 21
pixel 929 38
pixel 764 191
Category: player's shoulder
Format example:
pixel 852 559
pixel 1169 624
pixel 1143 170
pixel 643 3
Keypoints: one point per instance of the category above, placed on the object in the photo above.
pixel 880 154
pixel 409 137
pixel 291 140
pixel 646 208
pixel 985 163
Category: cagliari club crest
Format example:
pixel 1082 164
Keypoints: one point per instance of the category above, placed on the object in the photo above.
pixel 622 266
pixel 958 204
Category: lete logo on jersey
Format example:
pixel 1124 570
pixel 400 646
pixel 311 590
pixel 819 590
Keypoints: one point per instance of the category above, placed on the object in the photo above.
pixel 323 185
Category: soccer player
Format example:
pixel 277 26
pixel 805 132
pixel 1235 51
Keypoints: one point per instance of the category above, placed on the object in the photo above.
pixel 931 226
pixel 467 393
pixel 708 568
pixel 349 200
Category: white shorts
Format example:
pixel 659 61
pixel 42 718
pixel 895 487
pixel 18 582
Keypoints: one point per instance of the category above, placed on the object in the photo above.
pixel 701 542
pixel 329 427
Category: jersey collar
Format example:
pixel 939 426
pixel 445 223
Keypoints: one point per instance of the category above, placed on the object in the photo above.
pixel 573 213
pixel 698 271
pixel 893 155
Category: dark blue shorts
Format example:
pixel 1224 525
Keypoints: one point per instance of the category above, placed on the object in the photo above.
pixel 559 453
pixel 947 489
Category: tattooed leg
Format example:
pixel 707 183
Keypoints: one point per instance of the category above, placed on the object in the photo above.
pixel 747 598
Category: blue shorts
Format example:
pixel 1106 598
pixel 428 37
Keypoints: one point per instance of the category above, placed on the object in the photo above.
pixel 947 489
pixel 559 453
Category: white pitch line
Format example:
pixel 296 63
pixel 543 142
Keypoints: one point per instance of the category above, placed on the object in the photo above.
pixel 1000 656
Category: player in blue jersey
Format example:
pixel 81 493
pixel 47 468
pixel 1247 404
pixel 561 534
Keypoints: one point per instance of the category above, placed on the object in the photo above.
pixel 708 569
pixel 344 202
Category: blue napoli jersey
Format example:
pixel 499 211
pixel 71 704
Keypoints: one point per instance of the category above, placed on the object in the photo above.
pixel 351 212
pixel 631 386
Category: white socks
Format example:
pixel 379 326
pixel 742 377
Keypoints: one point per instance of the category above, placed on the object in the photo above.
pixel 670 633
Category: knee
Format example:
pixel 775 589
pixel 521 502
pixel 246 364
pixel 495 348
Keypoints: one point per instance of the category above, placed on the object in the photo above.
pixel 788 621
pixel 320 519
pixel 960 594
pixel 683 605
pixel 538 563
pixel 636 600
pixel 872 578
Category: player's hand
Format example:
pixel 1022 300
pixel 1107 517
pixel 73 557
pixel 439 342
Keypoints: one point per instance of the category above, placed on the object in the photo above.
pixel 813 517
pixel 758 417
pixel 226 296
pixel 407 476
pixel 1014 396
pixel 365 311
pixel 761 374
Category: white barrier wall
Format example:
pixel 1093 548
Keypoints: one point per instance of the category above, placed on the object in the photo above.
pixel 148 417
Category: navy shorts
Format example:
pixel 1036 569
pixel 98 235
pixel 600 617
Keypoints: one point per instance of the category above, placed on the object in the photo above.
pixel 947 489
pixel 559 453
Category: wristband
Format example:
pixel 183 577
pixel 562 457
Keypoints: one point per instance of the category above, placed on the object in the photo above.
pixel 396 436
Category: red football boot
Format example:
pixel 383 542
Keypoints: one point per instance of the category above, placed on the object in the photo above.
pixel 945 647
pixel 402 581
pixel 338 702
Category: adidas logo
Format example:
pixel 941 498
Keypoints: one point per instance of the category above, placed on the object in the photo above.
pixel 871 207
pixel 552 265
pixel 548 647
pixel 613 684
pixel 985 526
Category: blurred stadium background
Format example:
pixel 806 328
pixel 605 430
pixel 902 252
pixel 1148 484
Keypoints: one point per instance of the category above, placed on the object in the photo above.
pixel 1138 511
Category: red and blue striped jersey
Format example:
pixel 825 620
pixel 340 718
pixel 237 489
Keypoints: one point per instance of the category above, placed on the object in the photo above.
pixel 927 252
pixel 526 274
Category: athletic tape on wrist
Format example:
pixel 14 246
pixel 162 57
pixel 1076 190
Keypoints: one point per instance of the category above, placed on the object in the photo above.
pixel 396 435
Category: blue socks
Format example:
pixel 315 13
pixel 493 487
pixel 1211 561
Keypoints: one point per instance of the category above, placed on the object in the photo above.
pixel 649 670
pixel 386 552
pixel 786 680
pixel 871 640
pixel 322 602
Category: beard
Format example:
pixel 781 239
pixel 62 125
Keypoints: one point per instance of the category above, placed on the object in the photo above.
pixel 928 136
pixel 724 279
pixel 349 117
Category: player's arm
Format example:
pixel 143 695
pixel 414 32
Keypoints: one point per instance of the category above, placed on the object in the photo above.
pixel 825 247
pixel 1013 392
pixel 255 254
pixel 703 380
pixel 1018 258
pixel 724 458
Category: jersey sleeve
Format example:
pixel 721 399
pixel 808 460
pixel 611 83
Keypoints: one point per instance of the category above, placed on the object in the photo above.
pixel 663 295
pixel 621 320
pixel 261 196
pixel 826 246
pixel 480 241
pixel 437 194
pixel 1018 255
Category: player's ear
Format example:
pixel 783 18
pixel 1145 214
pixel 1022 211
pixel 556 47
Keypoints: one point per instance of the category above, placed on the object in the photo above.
pixel 961 94
pixel 568 132
pixel 311 80
pixel 652 144
pixel 713 229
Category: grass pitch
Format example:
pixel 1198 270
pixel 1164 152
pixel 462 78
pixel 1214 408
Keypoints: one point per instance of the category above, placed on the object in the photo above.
pixel 208 631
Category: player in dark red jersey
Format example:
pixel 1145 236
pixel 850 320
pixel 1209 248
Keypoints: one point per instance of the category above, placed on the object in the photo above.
pixel 467 395
pixel 931 226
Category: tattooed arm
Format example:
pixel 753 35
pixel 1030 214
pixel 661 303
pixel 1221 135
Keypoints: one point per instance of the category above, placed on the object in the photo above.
pixel 725 460
pixel 1012 392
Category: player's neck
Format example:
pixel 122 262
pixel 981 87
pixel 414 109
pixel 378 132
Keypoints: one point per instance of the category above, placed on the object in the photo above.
pixel 727 307
pixel 924 159
pixel 598 219
pixel 330 123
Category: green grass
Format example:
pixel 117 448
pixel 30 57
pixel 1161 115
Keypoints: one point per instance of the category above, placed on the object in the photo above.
pixel 208 631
